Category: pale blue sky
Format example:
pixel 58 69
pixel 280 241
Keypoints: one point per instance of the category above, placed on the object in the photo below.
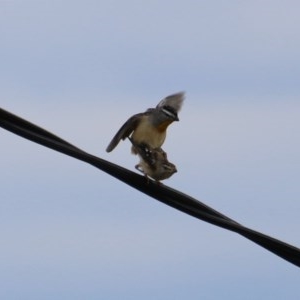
pixel 80 69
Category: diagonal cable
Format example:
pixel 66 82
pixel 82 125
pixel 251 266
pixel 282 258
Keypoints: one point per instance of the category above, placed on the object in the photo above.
pixel 161 193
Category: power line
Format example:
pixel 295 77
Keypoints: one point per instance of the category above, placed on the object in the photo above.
pixel 162 193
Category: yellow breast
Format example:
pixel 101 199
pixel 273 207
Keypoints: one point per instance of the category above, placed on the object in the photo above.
pixel 163 126
pixel 145 132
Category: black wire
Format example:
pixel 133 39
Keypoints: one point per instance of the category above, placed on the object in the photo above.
pixel 160 192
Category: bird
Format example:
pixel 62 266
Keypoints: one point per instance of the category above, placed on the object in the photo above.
pixel 153 162
pixel 150 127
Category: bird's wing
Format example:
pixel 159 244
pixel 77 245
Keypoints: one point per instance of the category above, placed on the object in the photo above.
pixel 125 131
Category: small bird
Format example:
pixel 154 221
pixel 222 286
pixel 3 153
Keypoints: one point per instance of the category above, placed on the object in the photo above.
pixel 153 162
pixel 150 126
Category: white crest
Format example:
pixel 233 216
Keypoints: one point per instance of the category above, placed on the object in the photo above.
pixel 175 101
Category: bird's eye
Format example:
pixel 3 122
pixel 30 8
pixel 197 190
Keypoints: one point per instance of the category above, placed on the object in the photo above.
pixel 169 111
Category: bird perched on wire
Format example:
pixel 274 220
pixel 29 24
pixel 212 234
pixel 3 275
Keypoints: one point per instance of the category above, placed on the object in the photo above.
pixel 150 127
pixel 153 162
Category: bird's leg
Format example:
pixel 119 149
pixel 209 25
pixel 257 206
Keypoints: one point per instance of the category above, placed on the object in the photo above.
pixel 144 151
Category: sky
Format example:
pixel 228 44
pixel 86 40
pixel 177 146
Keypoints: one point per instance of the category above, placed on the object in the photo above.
pixel 80 69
